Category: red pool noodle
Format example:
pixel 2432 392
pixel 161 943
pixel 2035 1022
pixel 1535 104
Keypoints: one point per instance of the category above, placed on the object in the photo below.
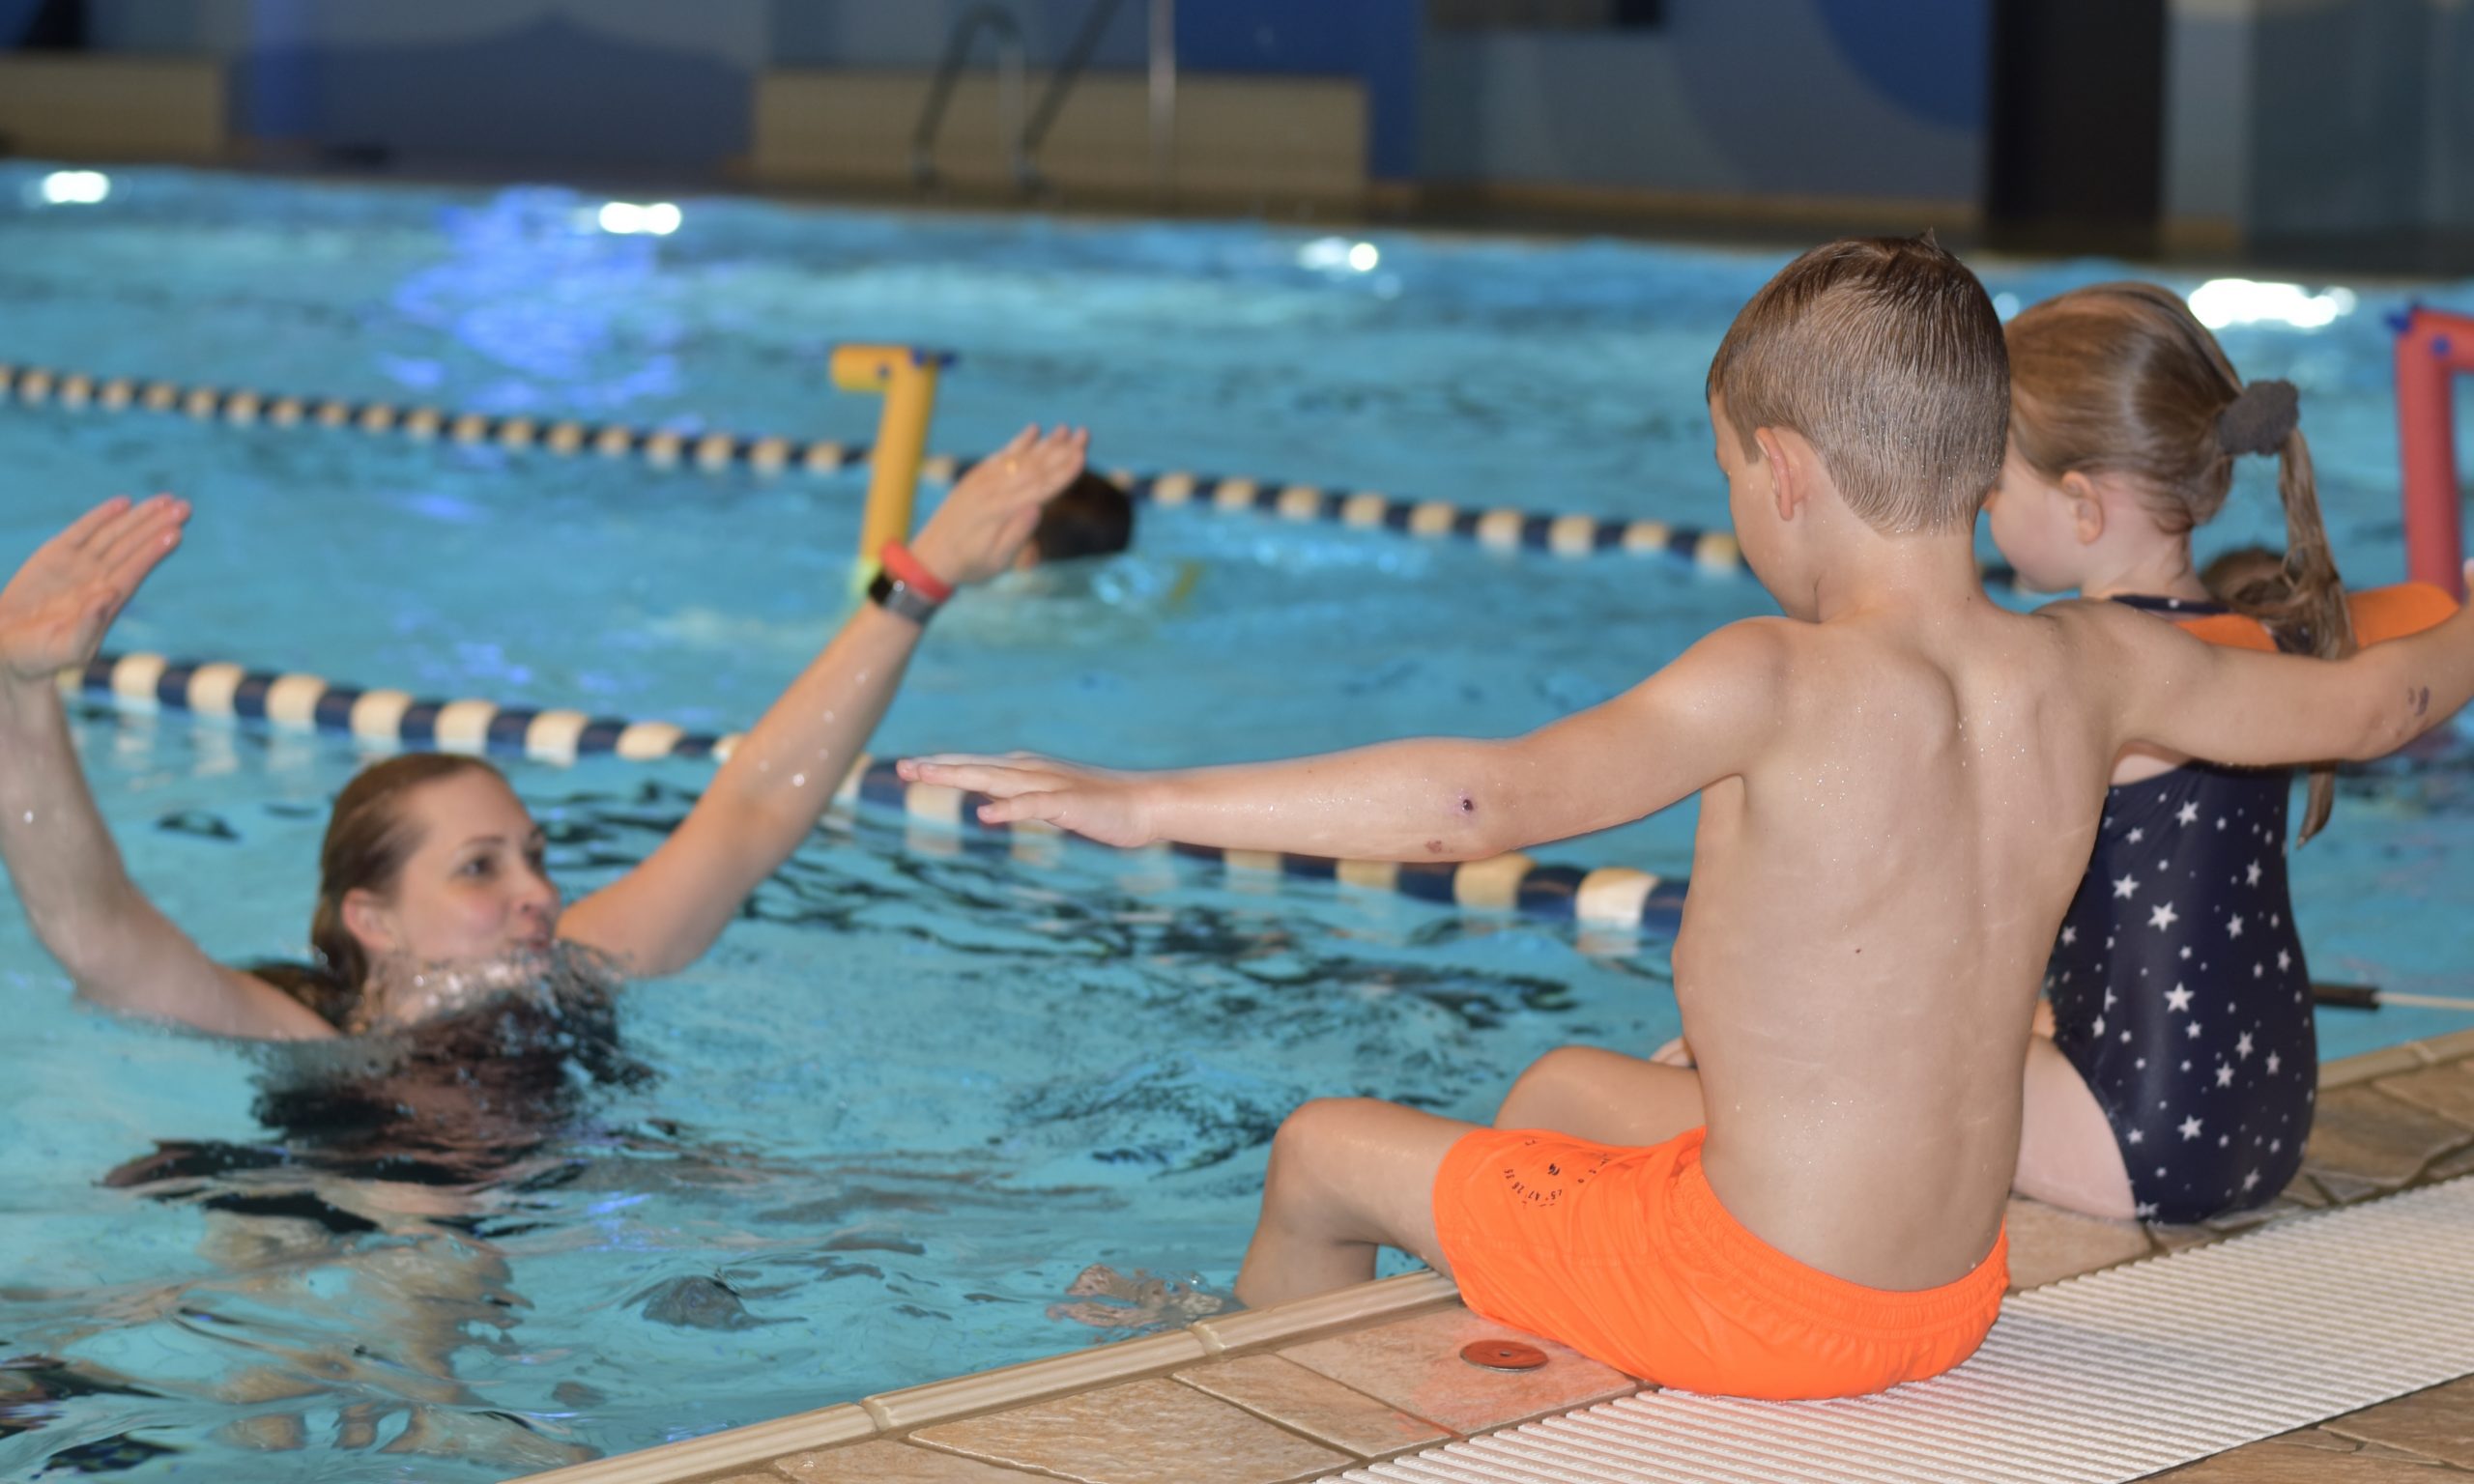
pixel 2431 348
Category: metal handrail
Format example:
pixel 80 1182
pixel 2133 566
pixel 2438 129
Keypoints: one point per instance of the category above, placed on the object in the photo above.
pixel 1069 72
pixel 1009 93
pixel 1020 138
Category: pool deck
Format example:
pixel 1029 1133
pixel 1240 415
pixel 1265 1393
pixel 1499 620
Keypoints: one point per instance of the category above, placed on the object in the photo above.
pixel 1310 1388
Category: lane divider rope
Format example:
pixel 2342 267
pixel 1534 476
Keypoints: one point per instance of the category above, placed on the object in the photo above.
pixel 1600 897
pixel 1503 529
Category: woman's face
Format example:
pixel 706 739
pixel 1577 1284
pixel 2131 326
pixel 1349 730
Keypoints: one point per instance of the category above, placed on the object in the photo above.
pixel 472 890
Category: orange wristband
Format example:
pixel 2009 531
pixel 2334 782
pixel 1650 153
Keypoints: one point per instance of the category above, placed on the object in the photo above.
pixel 898 559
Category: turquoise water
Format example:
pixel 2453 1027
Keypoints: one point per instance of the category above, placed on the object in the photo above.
pixel 917 1089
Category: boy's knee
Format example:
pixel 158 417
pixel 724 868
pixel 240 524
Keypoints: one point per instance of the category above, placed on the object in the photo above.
pixel 1308 1133
pixel 1556 1068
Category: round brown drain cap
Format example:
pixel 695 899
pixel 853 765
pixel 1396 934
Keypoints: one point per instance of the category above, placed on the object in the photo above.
pixel 1503 1354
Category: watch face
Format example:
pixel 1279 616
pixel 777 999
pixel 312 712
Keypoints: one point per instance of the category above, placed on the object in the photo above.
pixel 900 598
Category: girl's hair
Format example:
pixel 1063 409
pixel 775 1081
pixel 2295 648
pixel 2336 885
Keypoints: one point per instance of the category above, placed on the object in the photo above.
pixel 2120 379
pixel 368 840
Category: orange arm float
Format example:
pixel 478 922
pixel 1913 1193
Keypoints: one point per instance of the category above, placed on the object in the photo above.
pixel 2380 614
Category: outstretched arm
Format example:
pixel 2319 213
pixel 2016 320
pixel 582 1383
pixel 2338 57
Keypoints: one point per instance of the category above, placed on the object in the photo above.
pixel 2253 709
pixel 89 915
pixel 781 778
pixel 1434 798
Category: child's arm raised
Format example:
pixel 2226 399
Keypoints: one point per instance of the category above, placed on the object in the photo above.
pixel 2253 709
pixel 1432 798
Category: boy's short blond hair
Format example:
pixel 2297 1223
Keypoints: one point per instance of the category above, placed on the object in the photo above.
pixel 1886 356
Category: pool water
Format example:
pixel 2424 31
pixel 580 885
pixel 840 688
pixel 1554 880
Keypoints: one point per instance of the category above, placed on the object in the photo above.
pixel 879 1130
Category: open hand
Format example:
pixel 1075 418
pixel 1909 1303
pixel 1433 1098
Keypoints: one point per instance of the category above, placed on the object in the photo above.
pixel 54 611
pixel 1105 805
pixel 991 510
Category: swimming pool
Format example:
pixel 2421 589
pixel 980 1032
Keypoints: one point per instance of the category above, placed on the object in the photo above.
pixel 918 1088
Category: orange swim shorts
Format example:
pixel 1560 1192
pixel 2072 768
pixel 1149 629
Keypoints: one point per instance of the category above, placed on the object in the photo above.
pixel 1626 1256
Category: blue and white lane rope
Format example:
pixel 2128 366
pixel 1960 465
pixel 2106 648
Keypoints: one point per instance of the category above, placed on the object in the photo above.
pixel 1607 896
pixel 1503 529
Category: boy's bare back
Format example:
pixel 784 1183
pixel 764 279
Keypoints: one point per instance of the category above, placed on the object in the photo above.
pixel 1874 896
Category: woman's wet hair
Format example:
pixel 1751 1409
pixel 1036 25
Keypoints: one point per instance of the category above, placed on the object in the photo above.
pixel 2122 378
pixel 369 837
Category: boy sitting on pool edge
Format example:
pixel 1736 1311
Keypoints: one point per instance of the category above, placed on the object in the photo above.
pixel 1901 783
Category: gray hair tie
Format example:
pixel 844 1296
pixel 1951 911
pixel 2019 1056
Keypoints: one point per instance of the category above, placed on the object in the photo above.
pixel 2259 419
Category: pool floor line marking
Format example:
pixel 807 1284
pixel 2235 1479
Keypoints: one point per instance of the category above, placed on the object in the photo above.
pixel 1604 896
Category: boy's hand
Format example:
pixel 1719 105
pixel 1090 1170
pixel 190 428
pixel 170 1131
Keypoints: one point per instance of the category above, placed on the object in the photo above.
pixel 54 611
pixel 1108 807
pixel 991 510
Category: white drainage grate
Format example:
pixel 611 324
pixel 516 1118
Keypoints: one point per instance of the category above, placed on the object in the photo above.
pixel 2106 1377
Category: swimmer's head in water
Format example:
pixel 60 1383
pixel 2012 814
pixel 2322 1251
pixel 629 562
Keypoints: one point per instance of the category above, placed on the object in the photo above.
pixel 428 859
pixel 1884 357
pixel 1091 517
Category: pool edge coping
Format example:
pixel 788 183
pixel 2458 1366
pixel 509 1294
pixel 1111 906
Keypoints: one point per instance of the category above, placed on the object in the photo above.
pixel 892 1414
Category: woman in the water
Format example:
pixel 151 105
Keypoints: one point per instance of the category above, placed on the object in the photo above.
pixel 416 1072
pixel 431 889
pixel 2178 1080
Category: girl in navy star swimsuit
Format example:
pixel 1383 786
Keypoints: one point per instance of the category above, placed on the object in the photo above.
pixel 2178 1082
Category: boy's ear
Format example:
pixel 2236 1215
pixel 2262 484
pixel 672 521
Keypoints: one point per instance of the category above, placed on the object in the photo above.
pixel 2086 507
pixel 367 919
pixel 1790 479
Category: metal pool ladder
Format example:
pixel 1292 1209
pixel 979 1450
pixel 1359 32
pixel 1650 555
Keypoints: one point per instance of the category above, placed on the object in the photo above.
pixel 1020 138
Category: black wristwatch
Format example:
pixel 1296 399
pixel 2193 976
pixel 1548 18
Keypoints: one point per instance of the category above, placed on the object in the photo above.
pixel 902 600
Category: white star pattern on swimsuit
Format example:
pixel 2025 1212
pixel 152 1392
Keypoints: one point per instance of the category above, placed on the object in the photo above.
pixel 2251 877
pixel 2242 1048
pixel 2188 814
pixel 2190 1129
pixel 2177 998
pixel 2163 916
pixel 2125 887
pixel 2233 927
pixel 2224 1075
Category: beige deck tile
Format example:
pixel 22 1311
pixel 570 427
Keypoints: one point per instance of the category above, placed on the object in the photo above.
pixel 1356 1304
pixel 2303 1458
pixel 1143 1432
pixel 889 1463
pixel 2447 1090
pixel 2349 1071
pixel 2170 1240
pixel 1415 1364
pixel 1077 1370
pixel 2437 1423
pixel 2449 1166
pixel 2455 1046
pixel 1312 1402
pixel 2048 1243
pixel 2362 1133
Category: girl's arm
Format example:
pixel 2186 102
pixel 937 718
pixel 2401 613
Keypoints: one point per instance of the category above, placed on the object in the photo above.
pixel 2258 710
pixel 89 915
pixel 780 779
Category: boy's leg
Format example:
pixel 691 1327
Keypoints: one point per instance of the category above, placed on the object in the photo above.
pixel 1604 1096
pixel 1348 1175
pixel 2067 1153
